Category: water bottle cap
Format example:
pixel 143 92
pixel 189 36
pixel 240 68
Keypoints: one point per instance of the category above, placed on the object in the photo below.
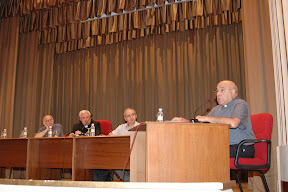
pixel 160 109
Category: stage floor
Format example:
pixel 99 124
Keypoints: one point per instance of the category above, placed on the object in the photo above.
pixel 11 185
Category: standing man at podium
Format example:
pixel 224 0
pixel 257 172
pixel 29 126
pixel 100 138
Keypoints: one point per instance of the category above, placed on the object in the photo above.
pixel 234 111
pixel 130 117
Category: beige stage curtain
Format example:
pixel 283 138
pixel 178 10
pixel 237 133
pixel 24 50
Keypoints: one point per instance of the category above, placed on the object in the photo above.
pixel 37 91
pixel 34 81
pixel 259 75
pixel 177 71
pixel 8 61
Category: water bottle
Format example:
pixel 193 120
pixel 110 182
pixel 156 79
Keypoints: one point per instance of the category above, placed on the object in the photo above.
pixel 25 132
pixel 92 130
pixel 56 133
pixel 160 115
pixel 88 130
pixel 4 134
pixel 50 131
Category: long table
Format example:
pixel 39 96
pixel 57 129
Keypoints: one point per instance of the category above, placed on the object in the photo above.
pixel 44 158
pixel 13 154
pixel 100 153
pixel 47 156
pixel 162 152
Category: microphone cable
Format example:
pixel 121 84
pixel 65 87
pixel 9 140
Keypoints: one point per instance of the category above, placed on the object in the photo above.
pixel 194 120
pixel 207 101
pixel 128 156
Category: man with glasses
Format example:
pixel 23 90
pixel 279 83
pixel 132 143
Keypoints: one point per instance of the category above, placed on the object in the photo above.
pixel 234 111
pixel 130 117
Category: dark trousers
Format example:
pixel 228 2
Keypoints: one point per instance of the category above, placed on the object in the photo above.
pixel 101 175
pixel 246 151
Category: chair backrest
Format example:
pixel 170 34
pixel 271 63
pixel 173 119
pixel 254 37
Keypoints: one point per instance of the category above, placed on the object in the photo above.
pixel 106 126
pixel 262 125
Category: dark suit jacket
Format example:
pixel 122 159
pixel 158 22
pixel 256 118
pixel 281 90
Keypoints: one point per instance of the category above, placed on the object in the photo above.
pixel 80 127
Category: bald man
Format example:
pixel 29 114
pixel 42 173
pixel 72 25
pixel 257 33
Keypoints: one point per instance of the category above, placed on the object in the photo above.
pixel 48 121
pixel 234 111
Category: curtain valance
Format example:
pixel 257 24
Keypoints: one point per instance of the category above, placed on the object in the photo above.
pixel 128 27
pixel 64 22
pixel 92 8
pixel 156 21
pixel 51 13
pixel 88 8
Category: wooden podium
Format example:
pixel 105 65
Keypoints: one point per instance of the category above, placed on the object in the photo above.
pixel 180 152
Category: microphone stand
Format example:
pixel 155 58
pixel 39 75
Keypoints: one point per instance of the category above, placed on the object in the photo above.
pixel 194 120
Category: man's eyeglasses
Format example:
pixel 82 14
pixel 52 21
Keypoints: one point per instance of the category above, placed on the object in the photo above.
pixel 87 117
pixel 131 115
pixel 221 90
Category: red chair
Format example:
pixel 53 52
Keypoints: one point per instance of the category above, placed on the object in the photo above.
pixel 106 126
pixel 262 126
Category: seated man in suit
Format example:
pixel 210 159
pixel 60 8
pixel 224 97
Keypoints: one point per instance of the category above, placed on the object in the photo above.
pixel 85 121
pixel 48 122
pixel 130 117
pixel 234 111
pixel 80 128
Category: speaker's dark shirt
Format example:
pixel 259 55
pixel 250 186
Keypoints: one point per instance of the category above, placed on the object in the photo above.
pixel 80 127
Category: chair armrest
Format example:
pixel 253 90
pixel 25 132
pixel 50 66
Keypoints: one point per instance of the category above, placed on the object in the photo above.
pixel 253 141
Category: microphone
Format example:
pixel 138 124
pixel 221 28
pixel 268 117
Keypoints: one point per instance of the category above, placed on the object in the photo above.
pixel 83 128
pixel 194 120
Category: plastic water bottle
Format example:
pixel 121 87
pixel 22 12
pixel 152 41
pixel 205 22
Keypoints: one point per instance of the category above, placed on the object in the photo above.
pixel 50 131
pixel 25 132
pixel 88 130
pixel 4 134
pixel 56 134
pixel 92 130
pixel 160 115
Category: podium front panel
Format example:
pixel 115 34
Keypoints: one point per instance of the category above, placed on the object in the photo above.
pixel 181 152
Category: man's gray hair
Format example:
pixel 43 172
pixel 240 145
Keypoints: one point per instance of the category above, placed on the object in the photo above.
pixel 84 111
pixel 124 114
